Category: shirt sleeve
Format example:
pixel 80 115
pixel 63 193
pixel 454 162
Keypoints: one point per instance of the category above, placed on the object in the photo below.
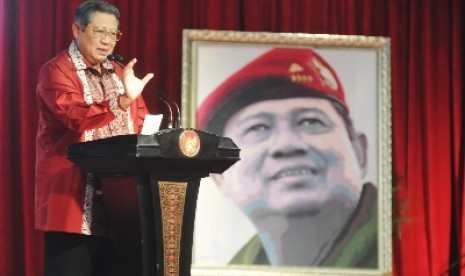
pixel 62 94
pixel 138 110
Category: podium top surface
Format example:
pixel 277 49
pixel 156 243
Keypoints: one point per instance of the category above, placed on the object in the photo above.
pixel 189 150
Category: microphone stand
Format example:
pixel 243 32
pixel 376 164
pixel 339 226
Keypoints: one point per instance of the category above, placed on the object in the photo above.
pixel 177 123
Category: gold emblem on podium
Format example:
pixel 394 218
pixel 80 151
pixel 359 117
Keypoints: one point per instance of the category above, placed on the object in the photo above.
pixel 189 143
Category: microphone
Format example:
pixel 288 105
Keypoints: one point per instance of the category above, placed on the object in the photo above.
pixel 118 59
pixel 177 123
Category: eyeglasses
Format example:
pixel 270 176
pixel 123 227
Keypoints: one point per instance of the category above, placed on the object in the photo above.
pixel 102 32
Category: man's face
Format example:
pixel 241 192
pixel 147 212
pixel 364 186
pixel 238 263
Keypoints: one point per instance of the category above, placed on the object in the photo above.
pixel 94 49
pixel 296 156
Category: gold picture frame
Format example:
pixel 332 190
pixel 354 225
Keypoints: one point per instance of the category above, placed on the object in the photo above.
pixel 210 56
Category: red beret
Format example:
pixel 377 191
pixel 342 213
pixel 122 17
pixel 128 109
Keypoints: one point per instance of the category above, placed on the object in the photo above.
pixel 302 67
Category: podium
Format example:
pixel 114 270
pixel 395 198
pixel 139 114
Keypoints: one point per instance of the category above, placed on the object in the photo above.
pixel 167 167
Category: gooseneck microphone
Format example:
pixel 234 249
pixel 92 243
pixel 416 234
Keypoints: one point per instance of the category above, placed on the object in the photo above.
pixel 118 59
pixel 177 123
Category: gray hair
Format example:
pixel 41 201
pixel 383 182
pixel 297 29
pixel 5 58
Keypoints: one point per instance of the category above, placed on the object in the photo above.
pixel 84 11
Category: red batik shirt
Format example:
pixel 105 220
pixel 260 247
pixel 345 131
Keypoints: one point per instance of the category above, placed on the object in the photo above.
pixel 76 104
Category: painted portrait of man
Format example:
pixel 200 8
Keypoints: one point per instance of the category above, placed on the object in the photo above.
pixel 303 182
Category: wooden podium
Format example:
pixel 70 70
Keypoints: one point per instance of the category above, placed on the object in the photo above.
pixel 153 220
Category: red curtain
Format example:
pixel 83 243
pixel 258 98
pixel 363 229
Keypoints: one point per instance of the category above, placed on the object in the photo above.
pixel 427 102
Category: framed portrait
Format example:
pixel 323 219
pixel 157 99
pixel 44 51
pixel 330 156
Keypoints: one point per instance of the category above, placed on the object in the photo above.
pixel 310 113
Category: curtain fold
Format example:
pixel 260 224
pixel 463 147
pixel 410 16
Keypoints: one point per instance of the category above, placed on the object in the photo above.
pixel 427 102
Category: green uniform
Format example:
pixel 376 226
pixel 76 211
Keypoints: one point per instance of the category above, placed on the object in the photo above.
pixel 355 247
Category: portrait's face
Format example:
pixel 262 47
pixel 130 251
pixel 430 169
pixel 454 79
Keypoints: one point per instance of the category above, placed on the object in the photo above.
pixel 94 49
pixel 296 156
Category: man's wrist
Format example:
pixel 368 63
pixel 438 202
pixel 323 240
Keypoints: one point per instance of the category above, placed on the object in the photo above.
pixel 124 101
